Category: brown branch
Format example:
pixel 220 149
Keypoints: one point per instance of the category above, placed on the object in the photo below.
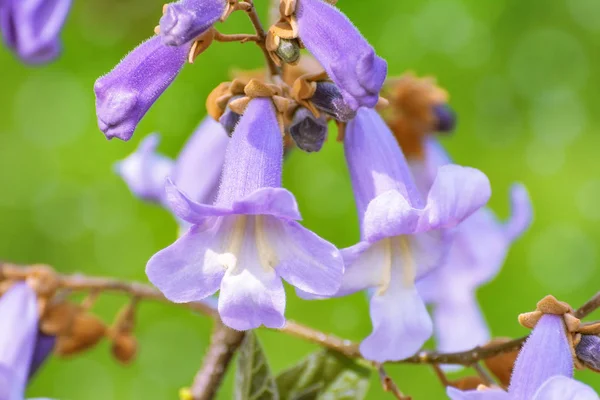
pixel 224 342
pixel 390 386
pixel 346 347
pixel 236 37
pixel 487 379
pixel 262 36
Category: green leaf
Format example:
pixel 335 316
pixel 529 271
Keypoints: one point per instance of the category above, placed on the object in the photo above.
pixel 324 375
pixel 253 379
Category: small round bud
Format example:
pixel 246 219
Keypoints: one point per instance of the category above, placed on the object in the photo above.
pixel 588 351
pixel 446 118
pixel 327 98
pixel 229 121
pixel 288 51
pixel 308 131
pixel 86 332
pixel 124 348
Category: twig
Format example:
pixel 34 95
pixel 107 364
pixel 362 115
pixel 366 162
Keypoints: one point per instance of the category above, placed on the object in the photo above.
pixel 440 375
pixel 346 347
pixel 236 37
pixel 262 35
pixel 389 385
pixel 223 344
pixel 484 375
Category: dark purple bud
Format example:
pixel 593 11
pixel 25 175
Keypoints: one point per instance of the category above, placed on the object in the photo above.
pixel 43 347
pixel 588 351
pixel 31 27
pixel 328 99
pixel 446 118
pixel 126 93
pixel 185 20
pixel 308 132
pixel 230 119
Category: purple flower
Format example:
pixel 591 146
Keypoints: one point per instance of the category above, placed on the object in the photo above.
pixel 248 240
pixel 543 370
pixel 348 59
pixel 402 235
pixel 185 20
pixel 31 28
pixel 126 93
pixel 479 247
pixel 19 351
pixel 196 171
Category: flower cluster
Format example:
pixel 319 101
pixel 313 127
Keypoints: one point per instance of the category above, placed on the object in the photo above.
pixel 31 28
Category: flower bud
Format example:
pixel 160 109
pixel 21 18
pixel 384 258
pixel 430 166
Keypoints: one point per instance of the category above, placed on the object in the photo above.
pixel 58 318
pixel 446 118
pixel 230 119
pixel 328 99
pixel 124 348
pixel 308 131
pixel 288 51
pixel 86 332
pixel 185 20
pixel 588 351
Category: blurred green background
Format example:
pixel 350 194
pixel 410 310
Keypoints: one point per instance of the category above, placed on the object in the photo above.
pixel 521 77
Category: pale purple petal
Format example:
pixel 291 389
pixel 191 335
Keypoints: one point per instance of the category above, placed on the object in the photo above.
pixel 456 193
pixel 124 95
pixel 188 210
pixel 304 260
pixel 546 353
pixel 198 166
pixel 251 293
pixel 564 388
pixel 192 267
pixel 31 28
pixel 145 171
pixel 254 155
pixel 389 214
pixel 342 51
pixel 19 322
pixel 401 324
pixel 486 394
pixel 521 212
pixel 184 20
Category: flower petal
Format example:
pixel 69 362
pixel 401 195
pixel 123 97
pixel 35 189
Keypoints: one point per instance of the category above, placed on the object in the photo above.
pixel 546 353
pixel 145 171
pixel 302 258
pixel 456 193
pixel 251 294
pixel 486 394
pixel 188 210
pixel 401 324
pixel 184 20
pixel 191 268
pixel 277 202
pixel 563 388
pixel 521 212
pixel 44 345
pixel 389 214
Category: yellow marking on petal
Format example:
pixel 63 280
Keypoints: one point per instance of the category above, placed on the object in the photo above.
pixel 387 266
pixel 267 256
pixel 409 267
pixel 229 258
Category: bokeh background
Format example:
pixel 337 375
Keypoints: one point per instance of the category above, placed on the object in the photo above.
pixel 521 77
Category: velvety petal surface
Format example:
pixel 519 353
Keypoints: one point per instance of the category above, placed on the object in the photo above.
pixel 145 171
pixel 488 394
pixel 198 166
pixel 192 267
pixel 125 94
pixel 184 20
pixel 19 322
pixel 302 258
pixel 545 354
pixel 344 53
pixel 564 388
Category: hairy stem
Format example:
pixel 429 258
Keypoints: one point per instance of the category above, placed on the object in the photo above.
pixel 224 342
pixel 262 36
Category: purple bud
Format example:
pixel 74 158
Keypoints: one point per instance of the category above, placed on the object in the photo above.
pixel 230 119
pixel 31 27
pixel 328 99
pixel 446 118
pixel 124 95
pixel 308 132
pixel 588 351
pixel 187 19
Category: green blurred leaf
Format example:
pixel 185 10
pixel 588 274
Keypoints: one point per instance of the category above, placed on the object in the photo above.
pixel 253 379
pixel 324 375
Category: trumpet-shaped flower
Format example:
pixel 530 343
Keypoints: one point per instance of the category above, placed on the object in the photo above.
pixel 478 250
pixel 31 28
pixel 21 350
pixel 196 171
pixel 249 240
pixel 543 370
pixel 403 236
pixel 343 52
pixel 185 20
pixel 125 94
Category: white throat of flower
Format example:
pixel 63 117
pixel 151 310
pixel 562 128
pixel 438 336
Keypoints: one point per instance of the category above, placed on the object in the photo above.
pixel 399 262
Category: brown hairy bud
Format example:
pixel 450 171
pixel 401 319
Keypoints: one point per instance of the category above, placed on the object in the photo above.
pixel 467 383
pixel 501 365
pixel 124 347
pixel 58 318
pixel 86 331
pixel 43 279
